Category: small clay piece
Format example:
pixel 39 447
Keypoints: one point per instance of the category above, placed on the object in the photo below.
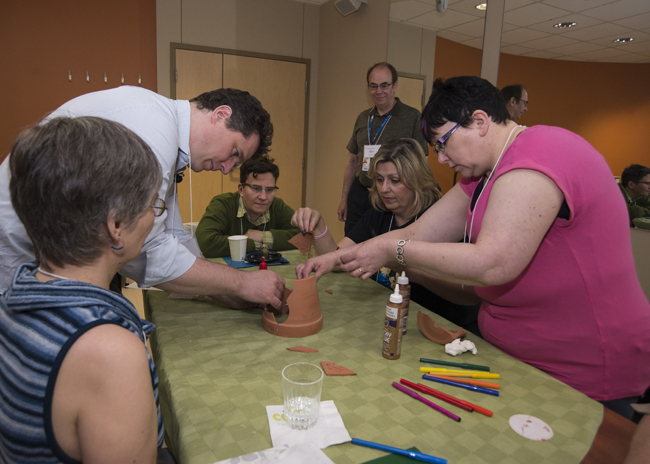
pixel 303 306
pixel 302 242
pixel 436 333
pixel 303 349
pixel 284 308
pixel 329 291
pixel 332 369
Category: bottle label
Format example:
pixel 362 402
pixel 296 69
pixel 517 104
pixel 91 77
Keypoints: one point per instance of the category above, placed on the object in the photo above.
pixel 391 313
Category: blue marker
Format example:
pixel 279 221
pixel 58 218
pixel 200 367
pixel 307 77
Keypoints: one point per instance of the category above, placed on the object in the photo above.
pixel 488 391
pixel 409 454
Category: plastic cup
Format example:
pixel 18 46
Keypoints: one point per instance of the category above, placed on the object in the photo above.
pixel 302 384
pixel 237 247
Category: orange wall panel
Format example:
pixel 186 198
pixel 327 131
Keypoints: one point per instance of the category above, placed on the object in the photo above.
pixel 44 39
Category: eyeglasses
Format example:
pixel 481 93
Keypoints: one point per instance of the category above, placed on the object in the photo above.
pixel 643 182
pixel 442 141
pixel 257 189
pixel 384 86
pixel 158 207
pixel 525 102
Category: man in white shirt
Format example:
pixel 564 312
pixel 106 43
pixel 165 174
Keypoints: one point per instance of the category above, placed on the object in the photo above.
pixel 217 130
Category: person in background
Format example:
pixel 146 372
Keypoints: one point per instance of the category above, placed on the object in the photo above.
pixel 403 189
pixel 516 97
pixel 635 187
pixel 253 210
pixel 548 251
pixel 388 120
pixel 76 380
pixel 215 131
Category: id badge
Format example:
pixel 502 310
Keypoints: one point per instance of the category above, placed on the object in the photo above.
pixel 369 152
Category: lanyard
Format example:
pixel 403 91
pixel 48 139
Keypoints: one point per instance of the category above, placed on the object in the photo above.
pixel 379 131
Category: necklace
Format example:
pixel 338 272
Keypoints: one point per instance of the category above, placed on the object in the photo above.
pixel 503 150
pixel 51 275
pixel 390 226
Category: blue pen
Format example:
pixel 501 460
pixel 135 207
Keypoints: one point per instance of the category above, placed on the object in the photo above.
pixel 409 454
pixel 489 391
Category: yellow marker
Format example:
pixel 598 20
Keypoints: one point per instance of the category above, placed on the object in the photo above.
pixel 459 373
pixel 469 375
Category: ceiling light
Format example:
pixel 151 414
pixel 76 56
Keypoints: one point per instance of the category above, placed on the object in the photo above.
pixel 565 25
pixel 623 40
pixel 481 6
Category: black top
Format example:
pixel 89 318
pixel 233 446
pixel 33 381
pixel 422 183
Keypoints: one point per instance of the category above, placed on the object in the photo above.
pixel 374 223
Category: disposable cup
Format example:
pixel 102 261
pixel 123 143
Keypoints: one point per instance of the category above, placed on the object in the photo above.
pixel 237 247
pixel 302 384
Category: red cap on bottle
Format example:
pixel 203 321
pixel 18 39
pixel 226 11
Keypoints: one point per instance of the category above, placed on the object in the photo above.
pixel 263 264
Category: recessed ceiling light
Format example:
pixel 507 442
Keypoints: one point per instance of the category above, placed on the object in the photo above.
pixel 623 40
pixel 565 25
pixel 481 6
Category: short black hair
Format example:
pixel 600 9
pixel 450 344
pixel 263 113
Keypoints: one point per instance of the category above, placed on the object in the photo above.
pixel 383 64
pixel 248 115
pixel 514 90
pixel 456 99
pixel 256 166
pixel 634 173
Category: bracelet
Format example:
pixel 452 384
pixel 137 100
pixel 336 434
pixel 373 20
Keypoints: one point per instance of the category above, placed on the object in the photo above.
pixel 400 252
pixel 321 235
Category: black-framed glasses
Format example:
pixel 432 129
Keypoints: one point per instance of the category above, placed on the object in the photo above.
pixel 643 182
pixel 384 86
pixel 257 189
pixel 525 102
pixel 441 143
pixel 158 207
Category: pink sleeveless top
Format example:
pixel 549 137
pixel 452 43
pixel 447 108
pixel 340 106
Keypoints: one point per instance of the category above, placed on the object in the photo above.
pixel 577 311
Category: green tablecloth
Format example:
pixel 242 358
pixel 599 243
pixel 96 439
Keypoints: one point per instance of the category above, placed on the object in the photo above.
pixel 219 369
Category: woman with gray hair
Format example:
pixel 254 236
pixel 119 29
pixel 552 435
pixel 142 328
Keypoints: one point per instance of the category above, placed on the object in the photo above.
pixel 76 379
pixel 403 188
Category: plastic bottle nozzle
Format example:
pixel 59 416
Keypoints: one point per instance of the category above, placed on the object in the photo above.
pixel 396 297
pixel 263 264
pixel 403 280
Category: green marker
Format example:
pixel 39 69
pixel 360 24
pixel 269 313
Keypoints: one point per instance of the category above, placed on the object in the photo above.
pixel 463 365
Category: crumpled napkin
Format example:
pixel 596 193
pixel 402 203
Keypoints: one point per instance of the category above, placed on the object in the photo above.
pixel 329 430
pixel 457 347
pixel 298 454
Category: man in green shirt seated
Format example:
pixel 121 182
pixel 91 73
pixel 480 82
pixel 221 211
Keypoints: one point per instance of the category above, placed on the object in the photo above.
pixel 253 211
pixel 635 185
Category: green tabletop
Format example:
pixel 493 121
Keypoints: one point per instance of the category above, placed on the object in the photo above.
pixel 219 369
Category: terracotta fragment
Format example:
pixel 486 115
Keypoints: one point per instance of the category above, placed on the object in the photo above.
pixel 303 349
pixel 303 307
pixel 332 369
pixel 302 242
pixel 284 309
pixel 329 291
pixel 437 333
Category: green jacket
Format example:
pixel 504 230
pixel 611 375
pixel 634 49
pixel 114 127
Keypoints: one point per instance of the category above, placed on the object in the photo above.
pixel 637 208
pixel 220 221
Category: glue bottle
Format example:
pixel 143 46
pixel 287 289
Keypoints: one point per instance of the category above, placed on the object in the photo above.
pixel 393 326
pixel 263 264
pixel 405 291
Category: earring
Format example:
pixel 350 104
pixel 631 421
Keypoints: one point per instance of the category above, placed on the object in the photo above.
pixel 116 248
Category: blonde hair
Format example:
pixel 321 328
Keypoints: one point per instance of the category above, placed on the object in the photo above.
pixel 412 170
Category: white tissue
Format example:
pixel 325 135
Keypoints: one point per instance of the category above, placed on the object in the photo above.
pixel 457 347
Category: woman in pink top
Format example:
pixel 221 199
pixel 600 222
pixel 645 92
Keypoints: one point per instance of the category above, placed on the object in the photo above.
pixel 547 244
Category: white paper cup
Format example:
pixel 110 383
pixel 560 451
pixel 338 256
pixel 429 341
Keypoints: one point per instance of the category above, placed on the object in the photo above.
pixel 237 247
pixel 302 384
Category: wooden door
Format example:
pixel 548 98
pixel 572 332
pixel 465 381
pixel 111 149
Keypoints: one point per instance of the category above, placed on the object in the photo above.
pixel 410 91
pixel 197 72
pixel 280 87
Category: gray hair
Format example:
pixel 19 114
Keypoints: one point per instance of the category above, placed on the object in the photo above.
pixel 68 175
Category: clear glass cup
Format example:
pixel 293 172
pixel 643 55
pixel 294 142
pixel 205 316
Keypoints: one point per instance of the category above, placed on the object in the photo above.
pixel 302 384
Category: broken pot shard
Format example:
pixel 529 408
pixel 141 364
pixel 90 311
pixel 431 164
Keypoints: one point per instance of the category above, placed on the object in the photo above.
pixel 436 333
pixel 303 349
pixel 303 307
pixel 302 242
pixel 332 369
